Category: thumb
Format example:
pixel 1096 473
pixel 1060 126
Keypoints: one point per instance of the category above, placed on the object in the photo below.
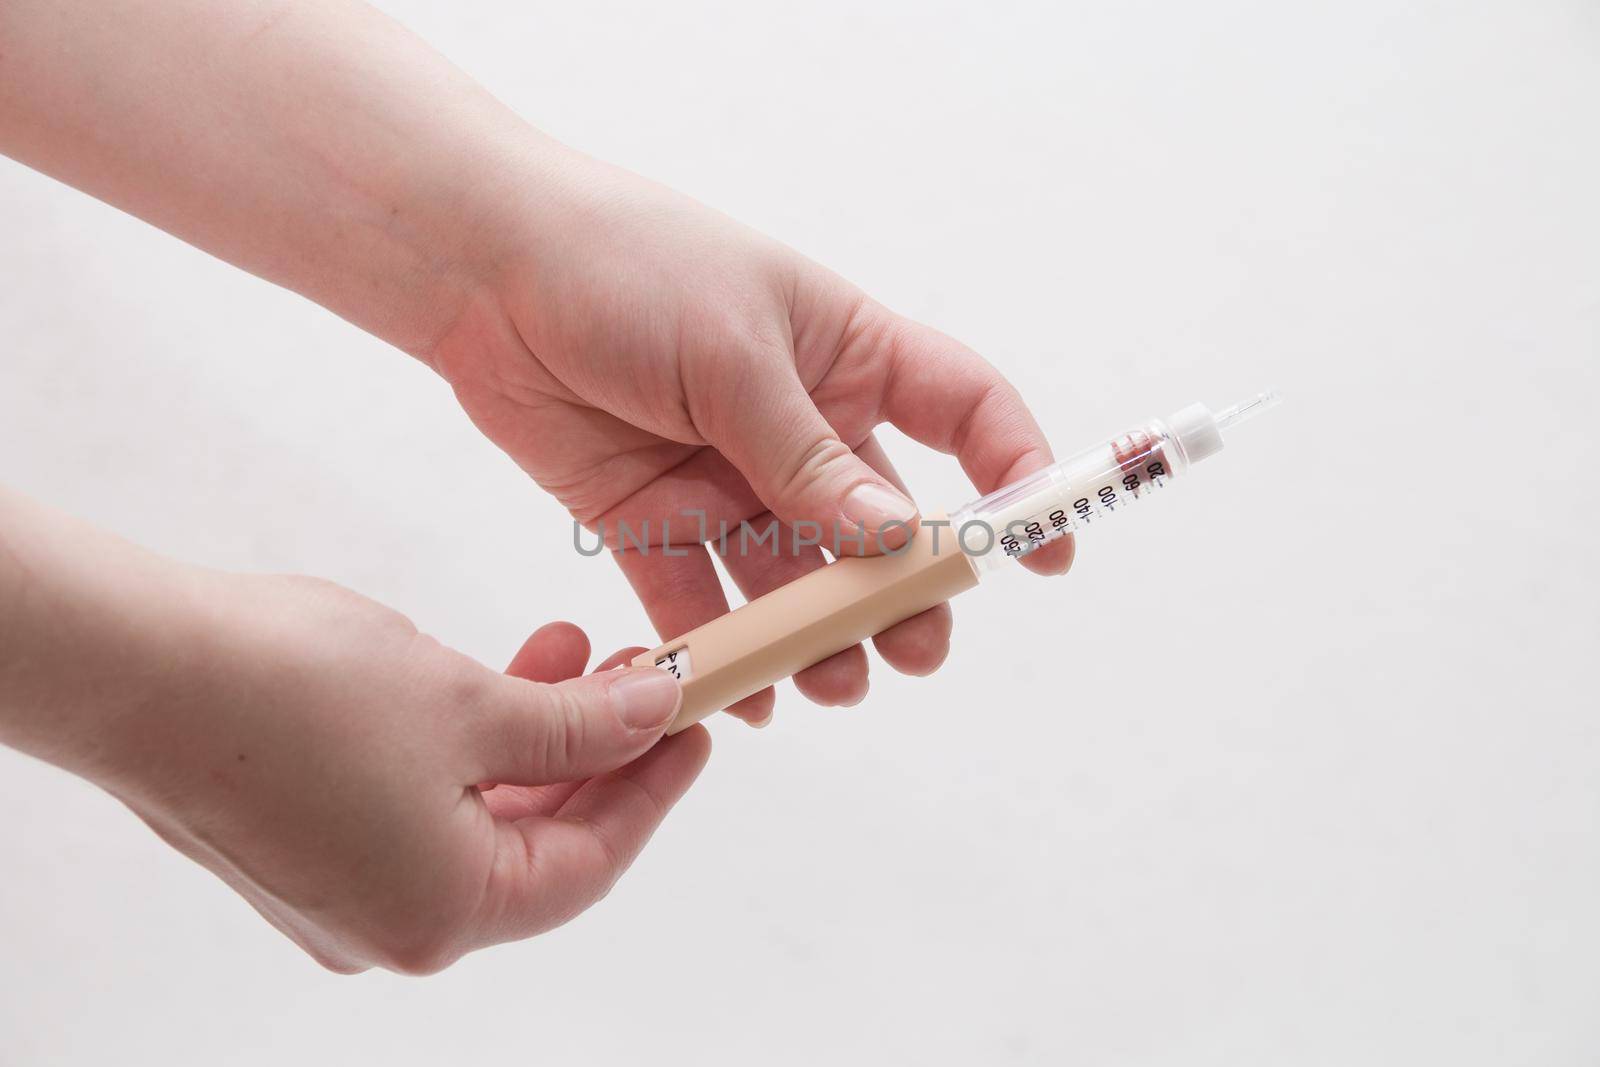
pixel 803 472
pixel 535 734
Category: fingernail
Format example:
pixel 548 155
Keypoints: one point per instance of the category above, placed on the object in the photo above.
pixel 646 698
pixel 763 724
pixel 875 506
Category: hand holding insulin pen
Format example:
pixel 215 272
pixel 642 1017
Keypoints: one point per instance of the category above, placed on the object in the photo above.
pixel 854 597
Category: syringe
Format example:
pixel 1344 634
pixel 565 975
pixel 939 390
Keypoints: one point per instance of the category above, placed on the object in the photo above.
pixel 854 597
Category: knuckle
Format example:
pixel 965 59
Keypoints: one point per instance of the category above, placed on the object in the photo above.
pixel 727 376
pixel 334 964
pixel 415 956
pixel 811 466
pixel 464 682
pixel 462 693
pixel 566 726
pixel 614 859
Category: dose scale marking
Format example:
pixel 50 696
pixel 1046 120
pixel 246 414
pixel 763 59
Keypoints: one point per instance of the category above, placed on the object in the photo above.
pixel 1141 465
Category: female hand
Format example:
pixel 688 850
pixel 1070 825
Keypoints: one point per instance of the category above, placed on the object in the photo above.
pixel 323 758
pixel 644 359
pixel 338 771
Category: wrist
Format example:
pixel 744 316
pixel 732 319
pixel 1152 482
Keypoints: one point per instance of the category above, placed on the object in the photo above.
pixel 520 216
pixel 95 636
pixel 161 683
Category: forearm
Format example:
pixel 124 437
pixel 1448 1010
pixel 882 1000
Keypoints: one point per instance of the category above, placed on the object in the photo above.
pixel 95 636
pixel 318 145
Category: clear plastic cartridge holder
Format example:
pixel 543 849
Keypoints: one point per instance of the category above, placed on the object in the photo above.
pixel 1095 484
pixel 852 598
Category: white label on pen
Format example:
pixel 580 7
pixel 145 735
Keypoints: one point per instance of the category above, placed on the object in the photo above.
pixel 676 664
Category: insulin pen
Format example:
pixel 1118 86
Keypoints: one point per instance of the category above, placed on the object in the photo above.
pixel 854 597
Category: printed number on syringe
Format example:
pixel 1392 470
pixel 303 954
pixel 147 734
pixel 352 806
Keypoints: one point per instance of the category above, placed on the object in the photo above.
pixel 1106 499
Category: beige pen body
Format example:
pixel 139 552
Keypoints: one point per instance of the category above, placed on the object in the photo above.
pixel 807 621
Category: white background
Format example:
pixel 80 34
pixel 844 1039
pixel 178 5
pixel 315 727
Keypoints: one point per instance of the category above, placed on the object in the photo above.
pixel 1300 766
